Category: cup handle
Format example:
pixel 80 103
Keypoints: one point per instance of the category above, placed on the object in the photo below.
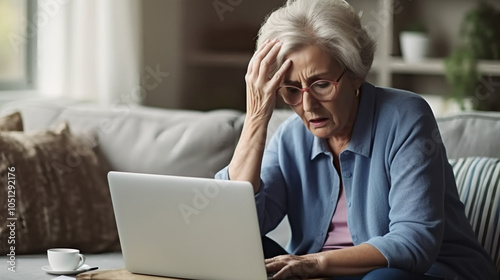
pixel 82 261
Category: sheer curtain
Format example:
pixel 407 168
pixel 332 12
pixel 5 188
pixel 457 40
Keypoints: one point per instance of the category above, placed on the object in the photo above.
pixel 89 50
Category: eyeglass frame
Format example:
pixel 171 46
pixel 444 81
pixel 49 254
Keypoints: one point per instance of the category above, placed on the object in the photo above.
pixel 302 90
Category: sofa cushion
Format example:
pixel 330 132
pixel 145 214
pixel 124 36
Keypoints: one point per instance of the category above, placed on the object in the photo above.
pixel 58 193
pixel 472 134
pixel 12 122
pixel 145 139
pixel 478 183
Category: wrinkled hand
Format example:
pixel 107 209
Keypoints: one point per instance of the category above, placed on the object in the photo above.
pixel 261 89
pixel 293 267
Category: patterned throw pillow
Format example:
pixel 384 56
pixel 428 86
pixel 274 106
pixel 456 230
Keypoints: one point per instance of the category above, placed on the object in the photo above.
pixel 478 183
pixel 12 122
pixel 58 193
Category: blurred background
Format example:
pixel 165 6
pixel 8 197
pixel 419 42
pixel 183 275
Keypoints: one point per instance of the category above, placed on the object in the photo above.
pixel 193 54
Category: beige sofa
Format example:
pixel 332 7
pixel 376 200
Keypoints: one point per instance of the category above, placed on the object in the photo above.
pixel 180 142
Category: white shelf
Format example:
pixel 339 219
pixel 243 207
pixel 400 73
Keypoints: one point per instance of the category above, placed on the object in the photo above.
pixel 430 66
pixel 435 66
pixel 489 67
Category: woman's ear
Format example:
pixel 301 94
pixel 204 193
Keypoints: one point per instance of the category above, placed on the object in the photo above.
pixel 357 82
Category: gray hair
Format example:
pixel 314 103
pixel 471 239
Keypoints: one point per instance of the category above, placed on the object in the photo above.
pixel 330 24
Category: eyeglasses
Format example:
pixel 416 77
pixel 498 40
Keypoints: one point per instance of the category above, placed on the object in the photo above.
pixel 322 90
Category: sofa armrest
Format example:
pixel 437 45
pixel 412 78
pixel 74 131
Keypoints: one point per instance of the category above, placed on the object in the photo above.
pixel 478 183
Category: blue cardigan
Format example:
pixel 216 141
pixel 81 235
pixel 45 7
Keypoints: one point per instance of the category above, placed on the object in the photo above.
pixel 400 189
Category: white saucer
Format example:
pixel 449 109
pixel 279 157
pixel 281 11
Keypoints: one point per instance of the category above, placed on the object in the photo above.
pixel 81 269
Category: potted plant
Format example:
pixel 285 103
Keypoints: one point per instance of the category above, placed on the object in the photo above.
pixel 414 40
pixel 480 39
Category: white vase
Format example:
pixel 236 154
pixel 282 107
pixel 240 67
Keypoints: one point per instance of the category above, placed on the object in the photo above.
pixel 414 45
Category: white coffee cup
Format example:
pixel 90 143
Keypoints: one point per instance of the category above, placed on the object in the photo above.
pixel 65 259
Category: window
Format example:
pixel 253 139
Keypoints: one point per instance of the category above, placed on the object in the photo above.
pixel 17 44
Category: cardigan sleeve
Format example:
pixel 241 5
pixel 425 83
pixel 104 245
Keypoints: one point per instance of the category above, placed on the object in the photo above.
pixel 416 160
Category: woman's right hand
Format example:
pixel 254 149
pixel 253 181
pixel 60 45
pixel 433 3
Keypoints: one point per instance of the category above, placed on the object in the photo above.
pixel 261 89
pixel 261 98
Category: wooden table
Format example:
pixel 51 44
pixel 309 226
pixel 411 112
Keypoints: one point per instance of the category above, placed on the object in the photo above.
pixel 121 274
pixel 117 274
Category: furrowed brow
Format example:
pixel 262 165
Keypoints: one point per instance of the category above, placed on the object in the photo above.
pixel 310 79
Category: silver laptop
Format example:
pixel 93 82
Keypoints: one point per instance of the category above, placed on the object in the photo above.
pixel 186 227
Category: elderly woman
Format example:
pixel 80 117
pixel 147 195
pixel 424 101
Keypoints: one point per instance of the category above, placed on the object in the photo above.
pixel 359 170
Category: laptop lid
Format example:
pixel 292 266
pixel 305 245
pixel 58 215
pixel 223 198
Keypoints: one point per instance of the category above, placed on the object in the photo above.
pixel 186 227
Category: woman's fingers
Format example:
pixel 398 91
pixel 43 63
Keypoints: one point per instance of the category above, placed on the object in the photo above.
pixel 293 267
pixel 256 61
pixel 269 59
pixel 251 63
pixel 275 264
pixel 261 89
pixel 280 74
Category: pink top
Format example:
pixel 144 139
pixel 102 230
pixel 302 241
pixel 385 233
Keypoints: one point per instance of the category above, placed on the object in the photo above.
pixel 338 232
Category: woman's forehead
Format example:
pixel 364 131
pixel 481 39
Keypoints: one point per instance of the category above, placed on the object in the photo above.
pixel 309 62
